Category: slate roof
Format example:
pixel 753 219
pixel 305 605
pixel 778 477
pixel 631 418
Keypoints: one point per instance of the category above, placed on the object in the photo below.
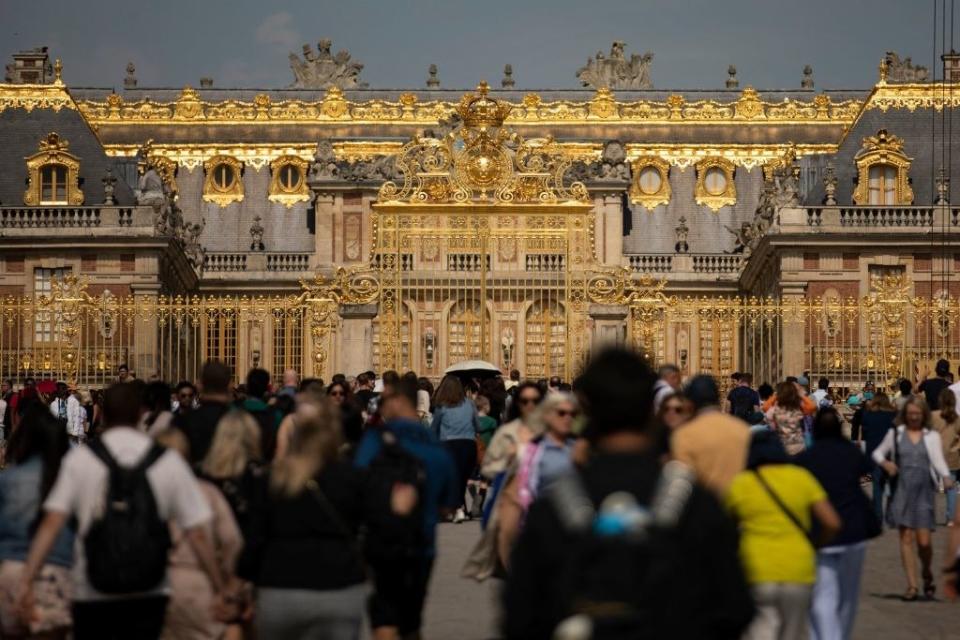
pixel 926 136
pixel 20 134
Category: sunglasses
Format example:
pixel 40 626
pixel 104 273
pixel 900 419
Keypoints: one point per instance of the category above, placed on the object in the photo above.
pixel 528 400
pixel 563 413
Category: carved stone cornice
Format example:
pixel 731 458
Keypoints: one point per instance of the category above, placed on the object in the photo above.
pixel 408 109
pixel 35 96
pixel 911 97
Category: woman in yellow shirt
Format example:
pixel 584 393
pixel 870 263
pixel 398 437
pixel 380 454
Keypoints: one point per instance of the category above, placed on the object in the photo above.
pixel 775 503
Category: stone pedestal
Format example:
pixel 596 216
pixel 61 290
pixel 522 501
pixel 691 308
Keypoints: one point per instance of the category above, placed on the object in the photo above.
pixel 609 326
pixel 356 338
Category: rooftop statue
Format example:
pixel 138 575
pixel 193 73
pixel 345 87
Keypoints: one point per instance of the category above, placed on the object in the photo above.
pixel 904 70
pixel 616 72
pixel 322 69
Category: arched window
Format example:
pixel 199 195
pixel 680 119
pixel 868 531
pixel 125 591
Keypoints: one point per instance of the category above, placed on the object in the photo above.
pixel 883 172
pixel 223 183
pixel 53 174
pixel 545 340
pixel 288 182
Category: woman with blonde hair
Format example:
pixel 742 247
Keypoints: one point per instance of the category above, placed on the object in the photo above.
pixel 913 456
pixel 233 463
pixel 301 548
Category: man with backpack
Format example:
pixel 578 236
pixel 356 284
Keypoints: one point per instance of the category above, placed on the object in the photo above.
pixel 625 548
pixel 744 401
pixel 122 491
pixel 401 549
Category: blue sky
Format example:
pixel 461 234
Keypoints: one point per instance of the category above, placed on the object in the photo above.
pixel 245 43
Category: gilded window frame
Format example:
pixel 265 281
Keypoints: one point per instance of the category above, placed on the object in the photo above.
pixel 212 192
pixel 52 150
pixel 884 149
pixel 650 201
pixel 715 201
pixel 277 192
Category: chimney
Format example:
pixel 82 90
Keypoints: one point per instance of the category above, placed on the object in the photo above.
pixel 951 66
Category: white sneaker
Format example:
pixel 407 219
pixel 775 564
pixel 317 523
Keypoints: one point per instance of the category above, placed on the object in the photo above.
pixel 459 516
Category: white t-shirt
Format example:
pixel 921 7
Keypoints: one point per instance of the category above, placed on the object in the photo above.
pixel 81 487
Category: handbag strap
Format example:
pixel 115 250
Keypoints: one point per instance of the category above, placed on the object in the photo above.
pixel 783 507
pixel 337 520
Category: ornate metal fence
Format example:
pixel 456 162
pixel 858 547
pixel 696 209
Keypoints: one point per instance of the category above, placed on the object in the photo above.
pixel 72 335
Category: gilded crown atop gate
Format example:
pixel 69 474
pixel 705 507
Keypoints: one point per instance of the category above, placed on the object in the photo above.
pixel 480 110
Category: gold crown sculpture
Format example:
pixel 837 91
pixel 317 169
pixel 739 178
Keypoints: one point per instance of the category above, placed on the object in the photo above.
pixel 480 111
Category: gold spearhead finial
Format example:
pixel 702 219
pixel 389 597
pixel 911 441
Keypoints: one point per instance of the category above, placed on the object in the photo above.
pixel 57 71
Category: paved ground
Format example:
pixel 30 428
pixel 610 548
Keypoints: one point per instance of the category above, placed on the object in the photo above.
pixel 459 609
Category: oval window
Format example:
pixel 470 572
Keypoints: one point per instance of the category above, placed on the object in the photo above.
pixel 224 177
pixel 650 181
pixel 715 181
pixel 290 177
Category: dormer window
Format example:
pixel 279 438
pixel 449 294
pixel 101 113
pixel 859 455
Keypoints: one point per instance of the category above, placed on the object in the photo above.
pixel 883 172
pixel 651 184
pixel 53 183
pixel 288 181
pixel 223 184
pixel 53 174
pixel 715 186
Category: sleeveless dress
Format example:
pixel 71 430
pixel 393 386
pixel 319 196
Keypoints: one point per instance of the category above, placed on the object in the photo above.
pixel 913 502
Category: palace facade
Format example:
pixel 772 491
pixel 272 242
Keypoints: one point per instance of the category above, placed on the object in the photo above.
pixel 334 227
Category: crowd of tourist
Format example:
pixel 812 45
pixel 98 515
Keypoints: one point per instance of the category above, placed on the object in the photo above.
pixel 625 503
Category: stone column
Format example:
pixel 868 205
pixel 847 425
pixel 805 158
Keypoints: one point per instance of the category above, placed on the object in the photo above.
pixel 609 326
pixel 609 229
pixel 356 338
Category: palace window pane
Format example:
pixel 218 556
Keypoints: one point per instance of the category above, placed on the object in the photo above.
pixel 882 185
pixel 53 184
pixel 223 177
pixel 290 177
pixel 650 180
pixel 715 181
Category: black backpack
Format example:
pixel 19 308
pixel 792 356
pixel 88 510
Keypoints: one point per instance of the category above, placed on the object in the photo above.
pixel 389 535
pixel 127 546
pixel 614 581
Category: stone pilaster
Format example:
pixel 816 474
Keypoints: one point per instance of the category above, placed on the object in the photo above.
pixel 792 333
pixel 356 338
pixel 609 326
pixel 325 211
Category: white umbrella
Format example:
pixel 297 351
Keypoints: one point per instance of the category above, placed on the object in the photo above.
pixel 474 367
